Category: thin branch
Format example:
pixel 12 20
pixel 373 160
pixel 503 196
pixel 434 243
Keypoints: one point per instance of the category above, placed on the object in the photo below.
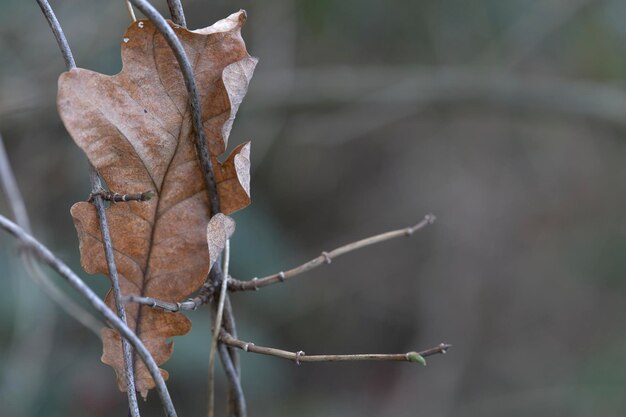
pixel 58 33
pixel 121 198
pixel 96 187
pixel 131 12
pixel 206 292
pixel 201 142
pixel 326 257
pixel 176 10
pixel 62 269
pixel 16 202
pixel 231 373
pixel 217 326
pixel 300 356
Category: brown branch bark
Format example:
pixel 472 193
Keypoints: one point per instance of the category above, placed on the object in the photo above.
pixel 300 356
pixel 326 257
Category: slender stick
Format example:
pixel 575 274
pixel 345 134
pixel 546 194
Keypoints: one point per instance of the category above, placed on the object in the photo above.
pixel 185 66
pixel 326 257
pixel 176 10
pixel 131 12
pixel 14 196
pixel 58 33
pixel 231 373
pixel 254 284
pixel 62 269
pixel 300 356
pixel 96 187
pixel 217 326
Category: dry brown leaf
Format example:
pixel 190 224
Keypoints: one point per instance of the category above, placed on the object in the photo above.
pixel 135 128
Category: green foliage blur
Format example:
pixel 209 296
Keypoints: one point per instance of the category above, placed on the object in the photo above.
pixel 505 118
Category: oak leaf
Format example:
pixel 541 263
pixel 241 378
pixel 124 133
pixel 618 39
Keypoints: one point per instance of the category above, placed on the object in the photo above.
pixel 135 128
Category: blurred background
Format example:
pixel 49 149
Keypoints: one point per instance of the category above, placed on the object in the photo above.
pixel 504 118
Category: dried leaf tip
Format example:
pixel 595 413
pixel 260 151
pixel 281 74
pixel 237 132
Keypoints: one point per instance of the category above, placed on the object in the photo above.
pixel 218 231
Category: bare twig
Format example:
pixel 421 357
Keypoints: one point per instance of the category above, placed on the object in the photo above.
pixel 14 196
pixel 206 292
pixel 300 356
pixel 58 33
pixel 326 258
pixel 96 187
pixel 217 326
pixel 131 12
pixel 62 269
pixel 176 10
pixel 231 373
pixel 187 71
pixel 121 198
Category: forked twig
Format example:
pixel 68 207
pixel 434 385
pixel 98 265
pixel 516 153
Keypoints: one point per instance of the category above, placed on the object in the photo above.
pixel 326 257
pixel 96 187
pixel 300 357
pixel 206 292
pixel 44 254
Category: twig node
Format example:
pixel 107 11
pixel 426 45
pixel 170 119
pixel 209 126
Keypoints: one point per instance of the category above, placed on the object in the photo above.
pixel 298 355
pixel 327 257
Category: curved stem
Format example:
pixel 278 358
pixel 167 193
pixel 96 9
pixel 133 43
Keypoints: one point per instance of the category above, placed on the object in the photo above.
pixel 194 99
pixel 44 254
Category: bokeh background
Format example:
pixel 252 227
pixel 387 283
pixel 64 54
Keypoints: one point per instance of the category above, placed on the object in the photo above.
pixel 505 118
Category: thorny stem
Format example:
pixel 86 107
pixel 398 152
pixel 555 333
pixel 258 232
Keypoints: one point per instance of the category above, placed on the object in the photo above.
pixel 326 257
pixel 14 196
pixel 96 186
pixel 300 356
pixel 176 10
pixel 62 269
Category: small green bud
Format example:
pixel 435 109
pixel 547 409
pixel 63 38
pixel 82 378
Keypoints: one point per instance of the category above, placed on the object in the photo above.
pixel 416 357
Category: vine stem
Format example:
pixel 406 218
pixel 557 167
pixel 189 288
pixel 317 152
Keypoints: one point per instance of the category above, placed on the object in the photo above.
pixel 217 325
pixel 46 256
pixel 16 202
pixel 96 187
